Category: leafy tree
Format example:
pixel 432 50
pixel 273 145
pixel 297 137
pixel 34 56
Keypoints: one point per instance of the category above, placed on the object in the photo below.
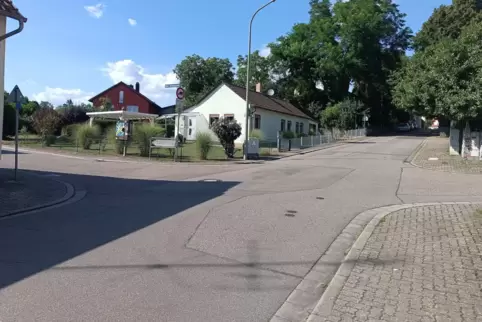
pixel 357 42
pixel 330 117
pixel 44 104
pixel 445 78
pixel 227 132
pixel 73 115
pixel 29 108
pixel 106 104
pixel 199 75
pixel 448 22
pixel 260 71
pixel 46 122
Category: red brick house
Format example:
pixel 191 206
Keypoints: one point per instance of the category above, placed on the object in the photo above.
pixel 128 97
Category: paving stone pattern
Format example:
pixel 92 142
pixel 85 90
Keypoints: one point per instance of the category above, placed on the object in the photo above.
pixel 420 264
pixel 438 147
pixel 28 191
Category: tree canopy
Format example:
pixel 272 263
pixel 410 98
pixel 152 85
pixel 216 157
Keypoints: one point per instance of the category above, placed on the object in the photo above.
pixel 444 76
pixel 345 50
pixel 198 75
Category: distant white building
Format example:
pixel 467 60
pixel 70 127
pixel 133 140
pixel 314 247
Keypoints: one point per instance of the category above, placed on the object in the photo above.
pixel 271 115
pixel 7 9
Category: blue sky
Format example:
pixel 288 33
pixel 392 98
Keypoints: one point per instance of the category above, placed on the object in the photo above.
pixel 77 48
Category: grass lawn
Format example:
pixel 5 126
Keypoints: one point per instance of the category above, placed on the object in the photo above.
pixel 188 152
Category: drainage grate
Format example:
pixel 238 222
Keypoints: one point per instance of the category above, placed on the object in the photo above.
pixel 320 198
pixel 289 215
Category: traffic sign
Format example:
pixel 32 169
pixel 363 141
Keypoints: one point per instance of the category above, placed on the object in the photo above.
pixel 180 93
pixel 15 95
pixel 179 106
pixel 171 85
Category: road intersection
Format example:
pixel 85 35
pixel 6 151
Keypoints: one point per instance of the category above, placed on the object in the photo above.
pixel 193 242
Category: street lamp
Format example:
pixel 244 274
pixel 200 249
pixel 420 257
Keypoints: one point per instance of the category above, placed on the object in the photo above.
pixel 246 136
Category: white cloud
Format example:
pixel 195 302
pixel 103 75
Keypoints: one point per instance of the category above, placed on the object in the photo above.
pixel 96 11
pixel 152 85
pixel 58 96
pixel 132 22
pixel 265 51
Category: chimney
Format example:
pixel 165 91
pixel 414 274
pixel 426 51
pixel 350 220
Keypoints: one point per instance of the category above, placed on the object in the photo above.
pixel 258 87
pixel 138 87
pixel 131 86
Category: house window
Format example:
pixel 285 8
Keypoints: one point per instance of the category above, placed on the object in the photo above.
pixel 213 118
pixel 132 108
pixel 302 130
pixel 297 128
pixel 257 121
pixel 121 97
pixel 229 117
pixel 282 128
pixel 289 126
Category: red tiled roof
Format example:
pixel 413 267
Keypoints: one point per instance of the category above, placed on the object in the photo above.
pixel 130 88
pixel 268 103
pixel 8 9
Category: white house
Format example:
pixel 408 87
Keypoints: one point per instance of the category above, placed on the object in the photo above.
pixel 7 9
pixel 271 115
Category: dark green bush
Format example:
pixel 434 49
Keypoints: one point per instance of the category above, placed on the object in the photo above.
pixel 288 135
pixel 49 139
pixel 227 132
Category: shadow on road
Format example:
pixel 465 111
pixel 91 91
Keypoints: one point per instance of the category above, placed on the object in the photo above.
pixel 112 208
pixel 11 152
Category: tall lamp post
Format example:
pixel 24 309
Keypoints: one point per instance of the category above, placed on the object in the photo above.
pixel 246 135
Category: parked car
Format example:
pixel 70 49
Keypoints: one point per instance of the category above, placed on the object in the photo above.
pixel 404 127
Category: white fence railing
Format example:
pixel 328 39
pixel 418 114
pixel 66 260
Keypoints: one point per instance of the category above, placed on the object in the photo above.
pixel 317 140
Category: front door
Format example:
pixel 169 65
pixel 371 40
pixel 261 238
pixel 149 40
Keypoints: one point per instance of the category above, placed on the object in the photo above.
pixel 191 128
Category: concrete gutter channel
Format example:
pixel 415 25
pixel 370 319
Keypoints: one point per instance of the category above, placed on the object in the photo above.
pixel 314 297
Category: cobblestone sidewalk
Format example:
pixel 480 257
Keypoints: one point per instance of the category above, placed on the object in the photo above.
pixel 28 191
pixel 420 264
pixel 438 147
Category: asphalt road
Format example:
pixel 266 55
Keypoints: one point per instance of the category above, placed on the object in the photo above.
pixel 190 242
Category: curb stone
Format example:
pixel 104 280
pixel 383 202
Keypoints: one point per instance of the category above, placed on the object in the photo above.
pixel 415 153
pixel 324 307
pixel 69 194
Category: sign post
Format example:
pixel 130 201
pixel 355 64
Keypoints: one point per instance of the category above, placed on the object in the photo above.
pixel 179 108
pixel 17 98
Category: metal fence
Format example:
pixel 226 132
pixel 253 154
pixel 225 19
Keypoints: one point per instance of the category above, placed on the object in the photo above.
pixel 318 140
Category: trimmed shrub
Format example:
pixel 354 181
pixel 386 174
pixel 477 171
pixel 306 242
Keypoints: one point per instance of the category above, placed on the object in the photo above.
pixel 50 139
pixel 288 135
pixel 227 132
pixel 86 134
pixel 257 134
pixel 204 143
pixel 143 132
